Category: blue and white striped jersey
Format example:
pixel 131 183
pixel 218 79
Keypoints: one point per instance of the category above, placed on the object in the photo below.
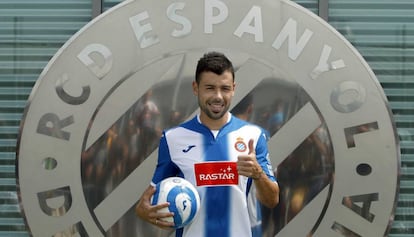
pixel 192 151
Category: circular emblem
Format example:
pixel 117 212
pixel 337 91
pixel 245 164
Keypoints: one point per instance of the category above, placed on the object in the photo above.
pixel 240 146
pixel 87 146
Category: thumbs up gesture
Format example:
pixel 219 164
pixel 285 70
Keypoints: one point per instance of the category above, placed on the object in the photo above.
pixel 247 165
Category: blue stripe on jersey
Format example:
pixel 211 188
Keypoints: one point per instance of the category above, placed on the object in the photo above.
pixel 218 213
pixel 218 199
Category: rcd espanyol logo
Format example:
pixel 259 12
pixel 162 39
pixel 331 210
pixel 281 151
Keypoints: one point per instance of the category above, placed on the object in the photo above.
pixel 87 146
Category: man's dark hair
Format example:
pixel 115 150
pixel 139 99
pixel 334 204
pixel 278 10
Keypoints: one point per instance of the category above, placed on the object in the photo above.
pixel 213 62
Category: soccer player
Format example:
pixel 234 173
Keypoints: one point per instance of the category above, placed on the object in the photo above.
pixel 217 152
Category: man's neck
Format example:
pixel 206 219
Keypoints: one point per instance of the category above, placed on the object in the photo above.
pixel 214 124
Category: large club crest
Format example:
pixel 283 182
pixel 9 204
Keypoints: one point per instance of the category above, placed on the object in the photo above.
pixel 89 134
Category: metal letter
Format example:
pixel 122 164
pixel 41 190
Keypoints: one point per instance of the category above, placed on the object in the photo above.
pixel 210 20
pixel 366 200
pixel 141 30
pixel 73 100
pixel 254 15
pixel 295 48
pixel 99 70
pixel 50 125
pixel 186 24
pixel 63 192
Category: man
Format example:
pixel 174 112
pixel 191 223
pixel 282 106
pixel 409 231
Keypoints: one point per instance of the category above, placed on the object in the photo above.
pixel 214 142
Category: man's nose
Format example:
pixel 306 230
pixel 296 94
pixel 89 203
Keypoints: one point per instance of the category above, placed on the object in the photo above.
pixel 218 94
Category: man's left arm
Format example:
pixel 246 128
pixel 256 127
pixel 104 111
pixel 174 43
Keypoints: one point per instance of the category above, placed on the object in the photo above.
pixel 267 189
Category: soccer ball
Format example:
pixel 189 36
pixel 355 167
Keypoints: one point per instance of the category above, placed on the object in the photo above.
pixel 183 198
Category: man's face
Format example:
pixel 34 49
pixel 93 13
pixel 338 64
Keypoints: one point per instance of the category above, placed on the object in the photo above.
pixel 214 94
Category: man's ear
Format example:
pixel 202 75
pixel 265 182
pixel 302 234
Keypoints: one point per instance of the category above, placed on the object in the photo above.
pixel 195 88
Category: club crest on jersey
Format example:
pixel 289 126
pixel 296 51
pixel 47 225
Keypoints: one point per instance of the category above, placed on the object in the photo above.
pixel 240 145
pixel 216 173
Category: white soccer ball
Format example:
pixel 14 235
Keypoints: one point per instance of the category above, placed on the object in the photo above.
pixel 183 198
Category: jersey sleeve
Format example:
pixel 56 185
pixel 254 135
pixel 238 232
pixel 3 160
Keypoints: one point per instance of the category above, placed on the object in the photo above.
pixel 262 155
pixel 165 167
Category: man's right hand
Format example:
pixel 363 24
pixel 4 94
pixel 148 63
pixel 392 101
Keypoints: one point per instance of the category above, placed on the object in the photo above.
pixel 151 213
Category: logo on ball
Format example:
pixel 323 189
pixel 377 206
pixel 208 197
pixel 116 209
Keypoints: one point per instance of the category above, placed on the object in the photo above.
pixel 183 198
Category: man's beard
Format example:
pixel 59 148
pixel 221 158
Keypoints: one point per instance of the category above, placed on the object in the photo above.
pixel 213 115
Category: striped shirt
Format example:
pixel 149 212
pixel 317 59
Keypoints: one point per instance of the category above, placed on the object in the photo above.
pixel 208 161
